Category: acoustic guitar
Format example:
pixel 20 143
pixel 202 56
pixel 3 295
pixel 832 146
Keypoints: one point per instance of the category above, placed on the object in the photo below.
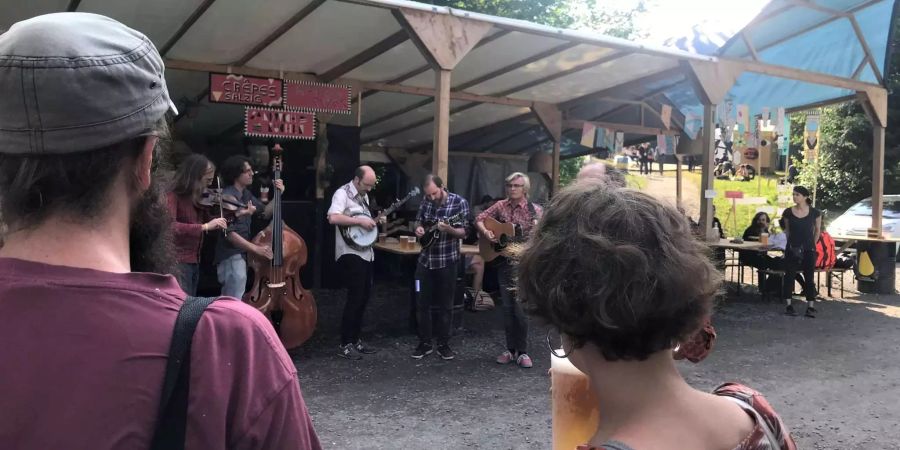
pixel 504 232
pixel 431 229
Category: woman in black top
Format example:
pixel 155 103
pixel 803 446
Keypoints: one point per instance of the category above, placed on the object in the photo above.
pixel 802 225
pixel 759 225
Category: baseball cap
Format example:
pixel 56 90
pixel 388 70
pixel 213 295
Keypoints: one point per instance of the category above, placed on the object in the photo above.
pixel 73 82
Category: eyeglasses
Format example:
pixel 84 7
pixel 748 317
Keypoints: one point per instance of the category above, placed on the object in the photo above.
pixel 555 343
pixel 519 186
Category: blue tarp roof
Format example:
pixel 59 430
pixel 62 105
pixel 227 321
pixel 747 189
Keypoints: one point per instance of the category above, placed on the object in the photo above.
pixel 817 36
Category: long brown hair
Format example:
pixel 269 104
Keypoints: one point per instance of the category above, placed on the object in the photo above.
pixel 188 176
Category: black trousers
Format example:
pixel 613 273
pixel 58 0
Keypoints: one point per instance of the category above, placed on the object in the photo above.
pixel 358 275
pixel 807 265
pixel 435 289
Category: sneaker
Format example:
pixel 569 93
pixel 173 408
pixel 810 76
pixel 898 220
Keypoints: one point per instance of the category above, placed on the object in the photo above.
pixel 349 351
pixel 789 311
pixel 365 349
pixel 524 361
pixel 445 352
pixel 422 351
pixel 811 312
pixel 506 358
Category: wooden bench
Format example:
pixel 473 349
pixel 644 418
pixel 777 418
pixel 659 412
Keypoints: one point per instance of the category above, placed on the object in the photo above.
pixel 829 275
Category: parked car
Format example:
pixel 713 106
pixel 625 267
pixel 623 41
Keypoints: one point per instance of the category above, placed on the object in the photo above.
pixel 857 220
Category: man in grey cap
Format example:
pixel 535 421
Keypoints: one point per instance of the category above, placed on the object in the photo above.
pixel 85 323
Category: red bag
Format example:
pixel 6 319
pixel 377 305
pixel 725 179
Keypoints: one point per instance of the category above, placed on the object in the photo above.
pixel 825 257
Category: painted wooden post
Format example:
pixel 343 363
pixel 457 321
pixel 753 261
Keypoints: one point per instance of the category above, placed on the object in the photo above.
pixel 678 181
pixel 877 176
pixel 440 152
pixel 707 180
pixel 443 40
pixel 550 117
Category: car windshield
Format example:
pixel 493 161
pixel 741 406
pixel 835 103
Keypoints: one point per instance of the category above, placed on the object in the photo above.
pixel 864 208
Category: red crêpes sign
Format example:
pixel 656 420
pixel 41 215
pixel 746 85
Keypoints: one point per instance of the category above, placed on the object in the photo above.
pixel 307 96
pixel 241 90
pixel 276 123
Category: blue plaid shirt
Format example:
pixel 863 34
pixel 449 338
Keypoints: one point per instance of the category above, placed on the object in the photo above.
pixel 445 250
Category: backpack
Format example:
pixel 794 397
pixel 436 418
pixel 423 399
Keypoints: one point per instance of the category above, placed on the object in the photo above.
pixel 825 257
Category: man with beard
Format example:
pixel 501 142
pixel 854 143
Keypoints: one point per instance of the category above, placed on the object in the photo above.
pixel 85 324
pixel 231 262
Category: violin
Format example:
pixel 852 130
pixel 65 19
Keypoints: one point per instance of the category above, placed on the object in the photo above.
pixel 225 206
pixel 277 291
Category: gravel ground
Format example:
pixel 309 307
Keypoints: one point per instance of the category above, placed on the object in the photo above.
pixel 834 379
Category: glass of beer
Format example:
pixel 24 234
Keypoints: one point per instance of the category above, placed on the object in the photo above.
pixel 764 238
pixel 574 406
pixel 382 238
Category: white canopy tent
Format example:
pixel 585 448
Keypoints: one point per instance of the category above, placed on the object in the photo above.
pixel 433 77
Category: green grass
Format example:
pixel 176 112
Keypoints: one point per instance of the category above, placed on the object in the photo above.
pixel 767 188
pixel 635 181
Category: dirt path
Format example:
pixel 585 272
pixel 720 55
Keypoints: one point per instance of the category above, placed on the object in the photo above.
pixel 663 187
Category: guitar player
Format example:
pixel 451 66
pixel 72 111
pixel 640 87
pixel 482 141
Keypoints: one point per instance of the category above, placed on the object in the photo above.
pixel 518 210
pixel 438 265
pixel 347 205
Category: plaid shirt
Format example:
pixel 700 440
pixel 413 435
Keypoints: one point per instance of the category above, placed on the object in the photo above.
pixel 517 214
pixel 445 249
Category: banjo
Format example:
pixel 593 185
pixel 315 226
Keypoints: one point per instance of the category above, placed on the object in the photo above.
pixel 359 238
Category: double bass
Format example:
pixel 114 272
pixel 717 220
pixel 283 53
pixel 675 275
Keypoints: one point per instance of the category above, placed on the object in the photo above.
pixel 277 291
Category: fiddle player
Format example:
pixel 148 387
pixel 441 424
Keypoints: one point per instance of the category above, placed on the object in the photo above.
pixel 231 262
pixel 350 207
pixel 194 174
pixel 517 209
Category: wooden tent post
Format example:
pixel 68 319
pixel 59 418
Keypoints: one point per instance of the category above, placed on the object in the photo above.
pixel 443 40
pixel 550 117
pixel 678 181
pixel 874 103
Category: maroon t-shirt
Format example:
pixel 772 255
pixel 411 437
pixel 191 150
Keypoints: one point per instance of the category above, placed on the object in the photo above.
pixel 82 356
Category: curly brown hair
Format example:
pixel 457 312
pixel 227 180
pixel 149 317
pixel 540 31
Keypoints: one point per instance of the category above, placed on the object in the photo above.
pixel 616 268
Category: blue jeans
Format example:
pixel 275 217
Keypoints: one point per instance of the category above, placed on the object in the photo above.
pixel 232 274
pixel 188 277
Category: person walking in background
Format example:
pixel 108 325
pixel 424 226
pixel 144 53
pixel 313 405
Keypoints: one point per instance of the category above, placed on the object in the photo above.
pixel 644 287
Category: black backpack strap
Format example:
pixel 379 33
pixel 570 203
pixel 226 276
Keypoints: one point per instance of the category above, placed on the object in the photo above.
pixel 172 421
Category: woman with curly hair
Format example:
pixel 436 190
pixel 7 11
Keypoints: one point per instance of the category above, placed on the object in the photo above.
pixel 620 278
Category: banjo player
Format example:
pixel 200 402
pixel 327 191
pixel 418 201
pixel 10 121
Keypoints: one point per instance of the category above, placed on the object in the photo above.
pixel 350 207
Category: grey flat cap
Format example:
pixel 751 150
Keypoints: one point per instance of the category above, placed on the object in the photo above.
pixel 71 82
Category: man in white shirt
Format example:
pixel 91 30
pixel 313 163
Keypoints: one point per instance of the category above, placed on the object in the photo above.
pixel 350 207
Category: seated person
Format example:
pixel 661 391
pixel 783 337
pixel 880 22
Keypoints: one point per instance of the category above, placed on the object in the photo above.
pixel 619 300
pixel 759 224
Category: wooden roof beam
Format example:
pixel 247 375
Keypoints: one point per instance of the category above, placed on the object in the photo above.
pixel 278 32
pixel 365 56
pixel 191 20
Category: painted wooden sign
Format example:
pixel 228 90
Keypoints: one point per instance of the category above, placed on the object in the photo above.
pixel 318 97
pixel 276 123
pixel 241 90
